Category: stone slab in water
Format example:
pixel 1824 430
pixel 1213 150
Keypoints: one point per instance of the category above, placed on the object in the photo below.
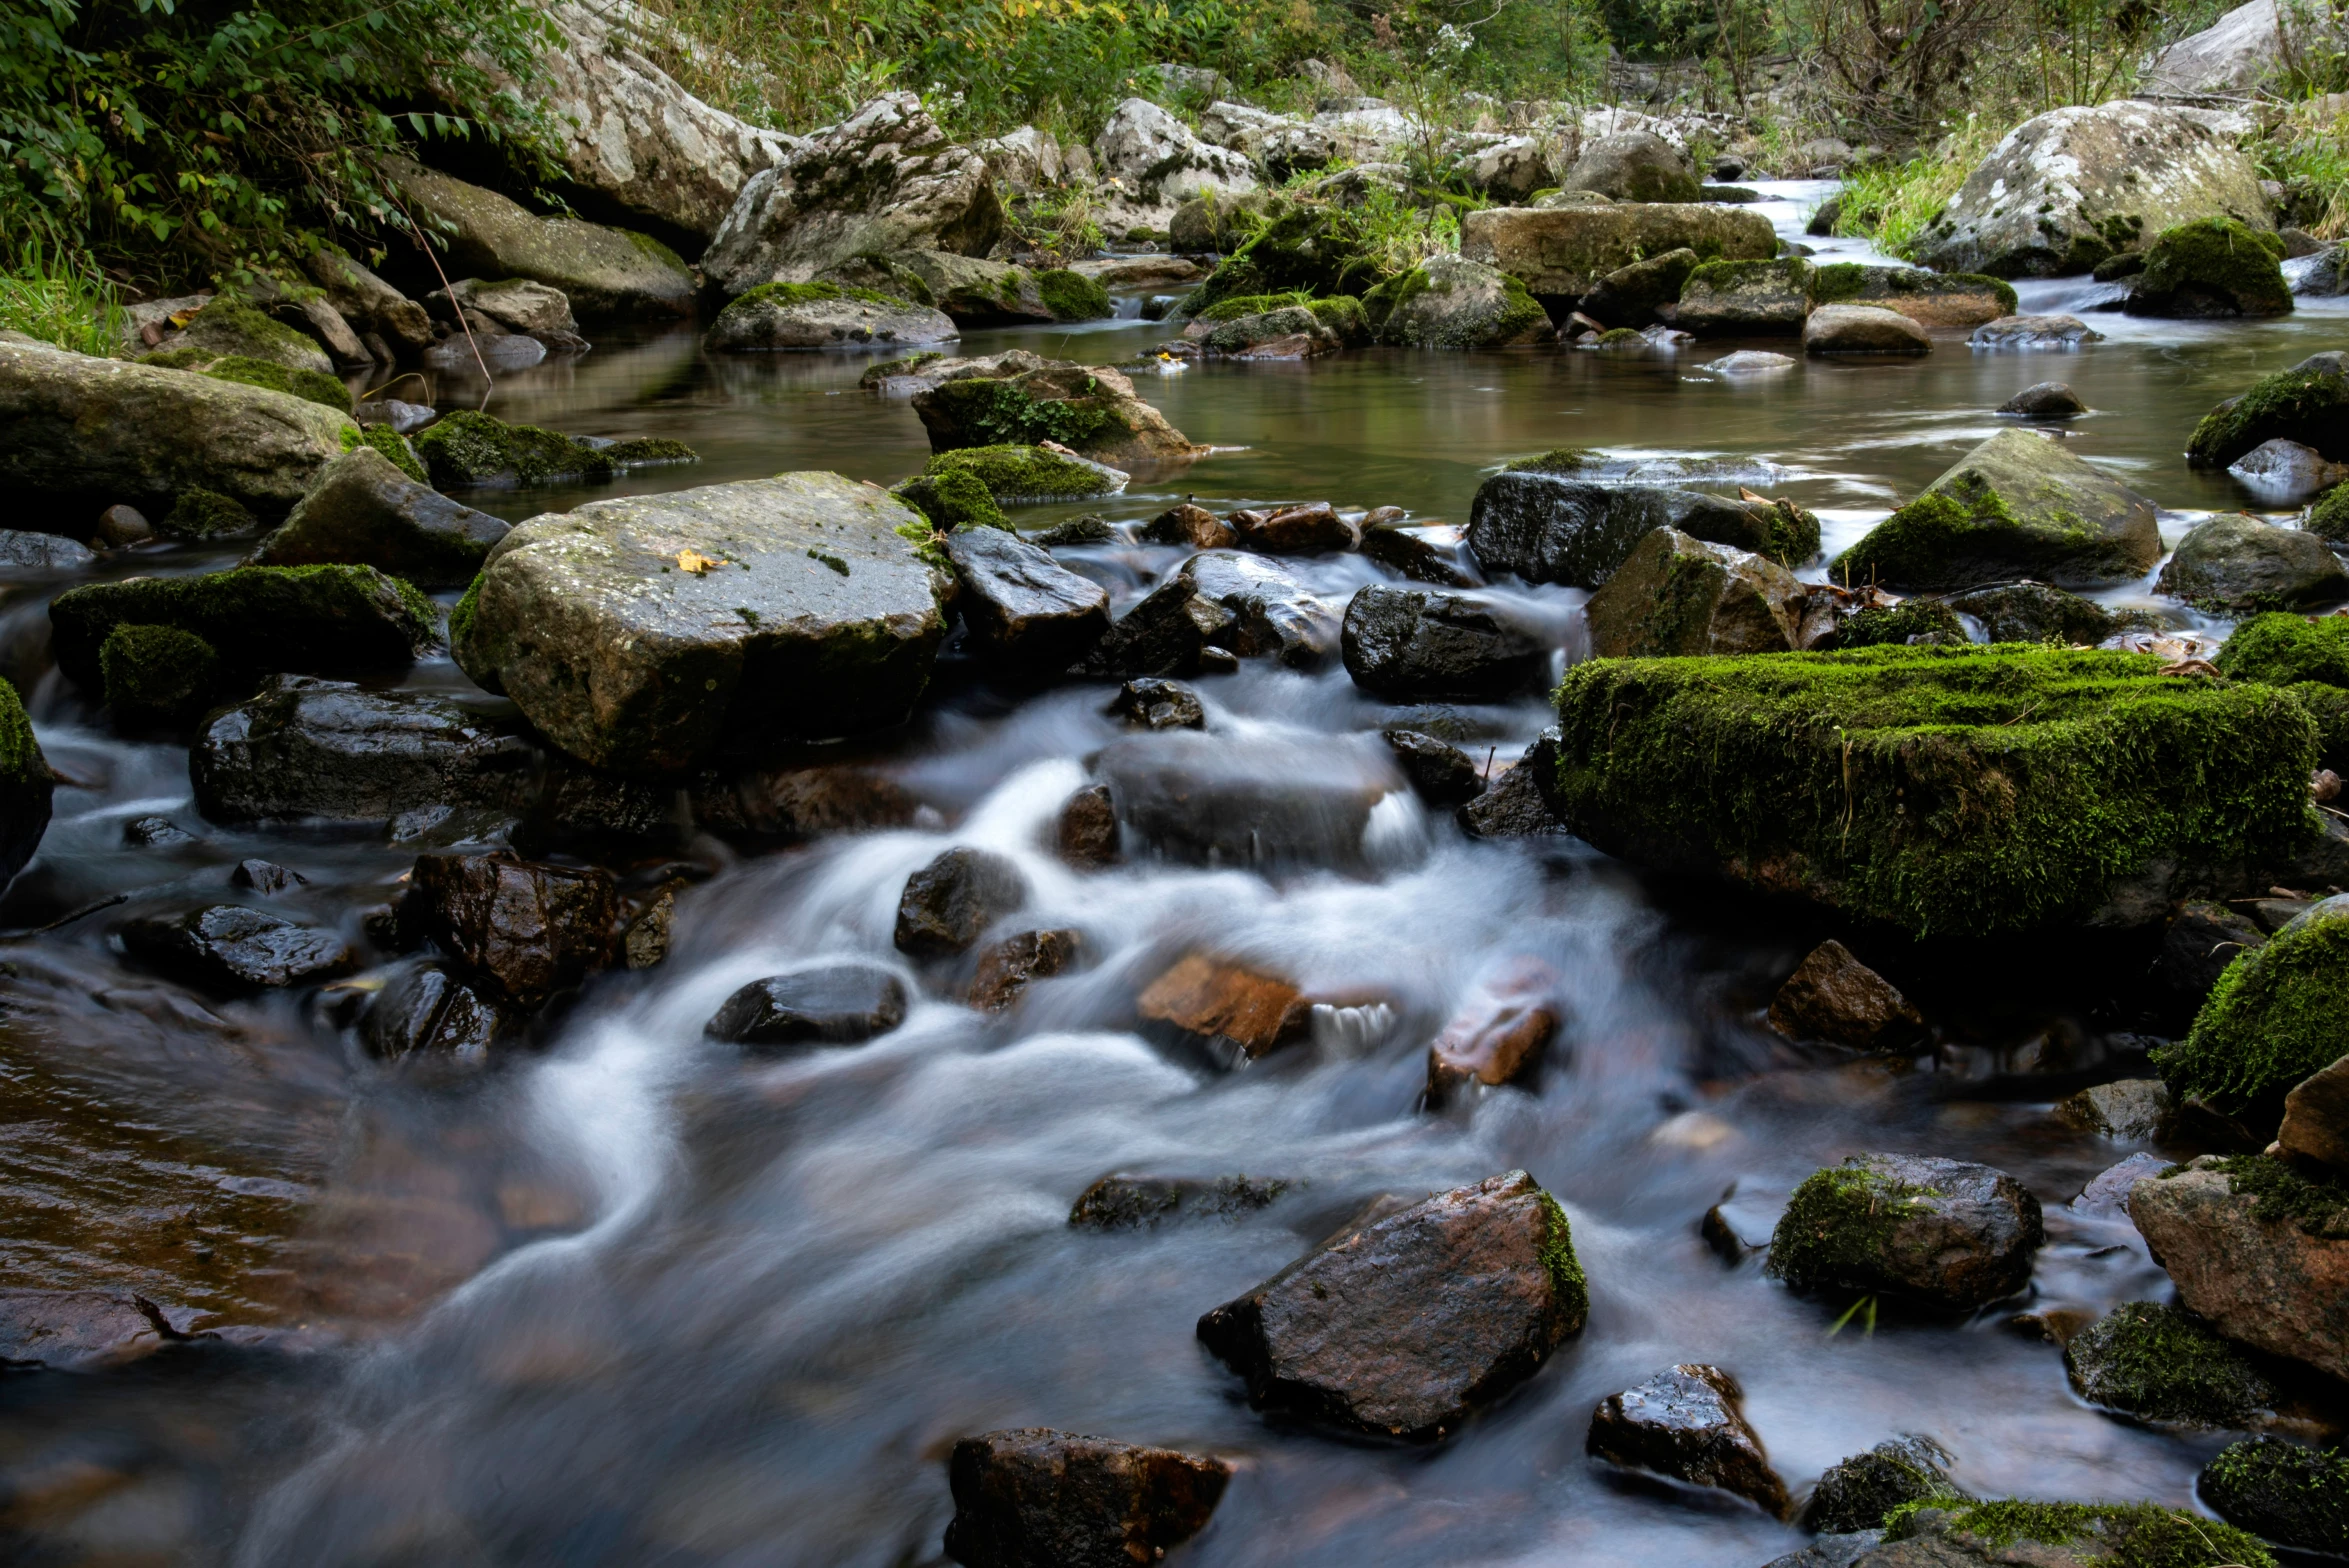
pixel 1022 606
pixel 365 511
pixel 642 633
pixel 839 1004
pixel 229 947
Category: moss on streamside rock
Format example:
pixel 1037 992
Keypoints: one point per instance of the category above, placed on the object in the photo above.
pixel 395 449
pixel 312 386
pixel 1014 473
pixel 2308 404
pixel 2213 266
pixel 157 674
pixel 1557 460
pixel 2328 519
pixel 1946 791
pixel 307 619
pixel 2283 1194
pixel 1857 1493
pixel 2283 649
pixel 469 448
pixel 2111 1535
pixel 1910 621
pixel 1570 1286
pixel 2294 1496
pixel 2165 1364
pixel 198 513
pixel 649 452
pixel 1839 1223
pixel 810 294
pixel 2278 1013
pixel 1071 296
pixel 952 498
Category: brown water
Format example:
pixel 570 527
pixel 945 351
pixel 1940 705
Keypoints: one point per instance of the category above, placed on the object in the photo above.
pixel 629 1299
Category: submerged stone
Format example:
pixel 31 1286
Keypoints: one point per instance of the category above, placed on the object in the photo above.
pixel 1036 1498
pixel 1125 1201
pixel 1439 772
pixel 1946 1232
pixel 1498 1035
pixel 1420 645
pixel 1006 969
pixel 1686 1423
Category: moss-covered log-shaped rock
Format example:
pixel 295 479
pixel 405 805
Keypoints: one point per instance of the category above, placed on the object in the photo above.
pixel 2058 1535
pixel 1674 595
pixel 643 633
pixel 1930 299
pixel 307 619
pixel 954 498
pixel 366 512
pixel 2279 1013
pixel 824 315
pixel 2308 404
pixel 2258 1249
pixel 1017 400
pixel 157 674
pixel 1447 302
pixel 1957 791
pixel 1944 1232
pixel 232 326
pixel 26 783
pixel 311 386
pixel 94 432
pixel 2212 267
pixel 2018 505
pixel 470 448
pixel 1015 474
pixel 2165 1364
pixel 1561 252
pixel 2293 1496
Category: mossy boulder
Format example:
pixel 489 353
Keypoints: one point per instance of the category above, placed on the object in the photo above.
pixel 395 450
pixel 198 513
pixel 1930 299
pixel 310 619
pixel 2062 1535
pixel 2328 519
pixel 1674 595
pixel 2279 1013
pixel 2308 404
pixel 2294 1496
pixel 2018 505
pixel 2234 563
pixel 649 452
pixel 644 633
pixel 481 450
pixel 1745 298
pixel 1310 249
pixel 1957 791
pixel 2034 612
pixel 1857 1493
pixel 364 511
pixel 602 271
pixel 823 315
pixel 1944 1232
pixel 1071 296
pixel 1912 621
pixel 1018 400
pixel 2284 650
pixel 230 326
pixel 158 674
pixel 954 498
pixel 2212 267
pixel 311 386
pixel 26 783
pixel 2163 1363
pixel 1015 474
pixel 1289 332
pixel 1447 302
pixel 1631 296
pixel 90 432
pixel 1562 252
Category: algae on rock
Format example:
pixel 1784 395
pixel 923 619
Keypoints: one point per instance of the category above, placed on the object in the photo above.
pixel 157 674
pixel 2308 404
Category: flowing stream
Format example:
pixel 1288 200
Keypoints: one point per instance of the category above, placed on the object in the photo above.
pixel 631 1297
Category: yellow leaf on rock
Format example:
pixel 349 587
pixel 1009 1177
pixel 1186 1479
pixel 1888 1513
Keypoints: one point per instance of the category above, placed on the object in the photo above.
pixel 695 562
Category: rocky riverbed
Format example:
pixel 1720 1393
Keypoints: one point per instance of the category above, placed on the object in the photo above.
pixel 1085 948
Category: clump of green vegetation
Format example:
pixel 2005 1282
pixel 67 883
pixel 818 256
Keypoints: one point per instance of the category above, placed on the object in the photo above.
pixel 1568 1284
pixel 461 618
pixel 2122 1535
pixel 1973 789
pixel 45 295
pixel 907 366
pixel 395 449
pixel 1071 296
pixel 1241 305
pixel 953 498
pixel 1896 203
pixel 1838 1226
pixel 1557 460
pixel 469 448
pixel 2165 1364
pixel 2284 649
pixel 2218 259
pixel 311 386
pixel 2280 1012
pixel 157 674
pixel 999 413
pixel 230 326
pixel 1026 473
pixel 2329 518
pixel 2284 1194
pixel 925 540
pixel 1857 1493
pixel 197 513
pixel 312 619
pixel 2294 1496
pixel 648 452
pixel 1910 621
pixel 2307 404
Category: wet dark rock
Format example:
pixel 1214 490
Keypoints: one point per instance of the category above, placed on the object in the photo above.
pixel 1834 1551
pixel 2034 332
pixel 1036 1498
pixel 949 904
pixel 1158 704
pixel 1685 1423
pixel 2303 404
pixel 2258 1251
pixel 1192 526
pixel 1522 802
pixel 2018 505
pixel 1441 774
pixel 264 876
pixel 1086 832
pixel 840 1004
pixel 2034 612
pixel 1420 645
pixel 310 748
pixel 1426 553
pixel 526 928
pixel 312 619
pixel 1126 1201
pixel 1552 528
pixel 1498 1035
pixel 155 833
pixel 1857 1493
pixel 80 1330
pixel 2316 1118
pixel 230 948
pixel 157 676
pixel 429 1011
pixel 642 633
pixel 2287 471
pixel 2107 1195
pixel 1006 968
pixel 2293 1496
pixel 1210 799
pixel 1631 296
pixel 120 527
pixel 645 943
pixel 2163 1363
pixel 2133 1109
pixel 2045 400
pixel 2202 939
pixel 1746 298
pixel 1832 996
pixel 1076 531
pixel 1949 1233
pixel 44 552
pixel 1407 1324
pixel 365 511
pixel 1295 530
pixel 1223 600
pixel 2240 563
pixel 1233 1013
pixel 1024 608
pixel 791 803
pixel 1675 595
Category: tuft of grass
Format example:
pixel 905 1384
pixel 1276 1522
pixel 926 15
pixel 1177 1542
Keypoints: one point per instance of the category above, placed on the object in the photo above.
pixel 46 295
pixel 1892 203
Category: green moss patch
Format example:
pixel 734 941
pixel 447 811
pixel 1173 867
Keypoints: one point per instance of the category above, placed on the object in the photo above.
pixel 1902 623
pixel 2116 1535
pixel 2283 649
pixel 1071 296
pixel 1838 1226
pixel 1026 473
pixel 157 674
pixel 311 386
pixel 1557 460
pixel 197 513
pixel 997 413
pixel 788 294
pixel 1958 791
pixel 2278 1013
pixel 649 452
pixel 2219 261
pixel 2308 404
pixel 2165 1364
pixel 233 327
pixel 309 619
pixel 953 498
pixel 2294 1496
pixel 1567 1281
pixel 468 448
pixel 2285 1195
pixel 1252 305
pixel 395 448
pixel 2329 518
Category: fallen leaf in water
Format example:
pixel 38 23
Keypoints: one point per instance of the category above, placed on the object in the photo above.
pixel 695 562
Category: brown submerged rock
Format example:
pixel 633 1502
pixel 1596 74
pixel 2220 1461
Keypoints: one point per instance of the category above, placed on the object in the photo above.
pixel 1036 1498
pixel 527 928
pixel 1235 1013
pixel 2276 1280
pixel 1406 1325
pixel 80 1330
pixel 949 904
pixel 1685 1423
pixel 1497 1036
pixel 1007 967
pixel 1832 996
pixel 1120 1201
